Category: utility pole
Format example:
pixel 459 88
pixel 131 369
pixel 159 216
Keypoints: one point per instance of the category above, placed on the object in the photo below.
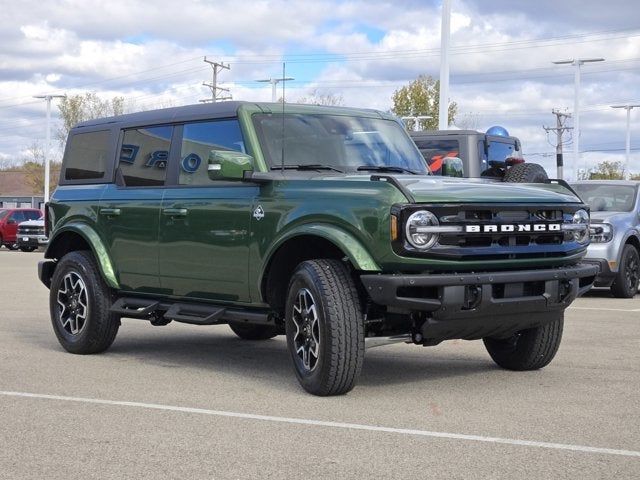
pixel 213 86
pixel 577 63
pixel 47 168
pixel 274 82
pixel 628 108
pixel 443 114
pixel 559 129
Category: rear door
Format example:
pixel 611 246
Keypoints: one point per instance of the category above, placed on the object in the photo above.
pixel 205 224
pixel 130 211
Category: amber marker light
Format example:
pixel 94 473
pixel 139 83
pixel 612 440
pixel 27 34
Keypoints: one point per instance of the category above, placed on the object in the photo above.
pixel 394 228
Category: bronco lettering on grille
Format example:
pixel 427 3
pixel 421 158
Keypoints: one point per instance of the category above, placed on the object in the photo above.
pixel 513 228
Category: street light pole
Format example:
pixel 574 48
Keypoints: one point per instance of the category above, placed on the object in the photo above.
pixel 274 82
pixel 443 113
pixel 47 168
pixel 628 108
pixel 577 63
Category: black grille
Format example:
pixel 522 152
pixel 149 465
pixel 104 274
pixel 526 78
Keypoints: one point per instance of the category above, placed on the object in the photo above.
pixel 483 245
pixel 30 230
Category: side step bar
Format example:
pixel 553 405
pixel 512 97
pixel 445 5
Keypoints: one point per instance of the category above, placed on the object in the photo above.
pixel 194 314
pixel 162 312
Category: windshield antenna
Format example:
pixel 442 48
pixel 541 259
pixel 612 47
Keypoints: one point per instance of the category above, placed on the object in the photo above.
pixel 283 98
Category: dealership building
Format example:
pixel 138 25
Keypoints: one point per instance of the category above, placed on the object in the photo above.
pixel 15 192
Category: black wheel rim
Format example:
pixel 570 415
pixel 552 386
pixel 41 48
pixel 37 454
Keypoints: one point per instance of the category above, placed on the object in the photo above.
pixel 73 306
pixel 632 275
pixel 306 339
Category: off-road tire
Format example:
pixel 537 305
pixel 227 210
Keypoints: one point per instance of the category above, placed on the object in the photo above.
pixel 247 331
pixel 625 284
pixel 27 249
pixel 530 349
pixel 526 173
pixel 101 326
pixel 341 327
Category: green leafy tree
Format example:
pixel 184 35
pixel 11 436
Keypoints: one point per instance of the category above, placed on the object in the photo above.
pixel 608 170
pixel 421 97
pixel 79 108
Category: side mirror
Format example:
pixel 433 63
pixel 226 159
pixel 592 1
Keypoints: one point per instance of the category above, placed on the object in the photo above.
pixel 452 167
pixel 229 165
pixel 11 222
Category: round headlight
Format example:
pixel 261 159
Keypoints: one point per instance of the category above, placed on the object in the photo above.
pixel 581 217
pixel 418 232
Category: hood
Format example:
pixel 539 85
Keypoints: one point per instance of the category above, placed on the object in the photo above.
pixel 610 217
pixel 454 190
pixel 36 223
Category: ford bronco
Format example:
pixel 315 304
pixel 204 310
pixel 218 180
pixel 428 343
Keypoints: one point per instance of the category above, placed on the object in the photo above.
pixel 320 223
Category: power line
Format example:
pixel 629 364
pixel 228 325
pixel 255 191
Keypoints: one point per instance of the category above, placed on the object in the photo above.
pixel 216 68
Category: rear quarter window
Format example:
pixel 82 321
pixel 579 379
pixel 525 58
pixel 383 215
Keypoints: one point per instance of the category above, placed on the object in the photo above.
pixel 86 156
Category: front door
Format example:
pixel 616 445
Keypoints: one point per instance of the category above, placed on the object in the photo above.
pixel 204 223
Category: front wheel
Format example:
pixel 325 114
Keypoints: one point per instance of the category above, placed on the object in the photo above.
pixel 27 249
pixel 625 284
pixel 530 349
pixel 325 327
pixel 79 301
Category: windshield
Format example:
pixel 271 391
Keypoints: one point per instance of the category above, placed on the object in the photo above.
pixel 338 141
pixel 607 198
pixel 3 213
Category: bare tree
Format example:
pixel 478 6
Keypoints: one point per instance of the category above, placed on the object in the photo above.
pixel 316 97
pixel 79 108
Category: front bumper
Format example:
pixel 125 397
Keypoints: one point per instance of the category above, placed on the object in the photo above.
pixel 31 240
pixel 474 304
pixel 606 276
pixel 446 294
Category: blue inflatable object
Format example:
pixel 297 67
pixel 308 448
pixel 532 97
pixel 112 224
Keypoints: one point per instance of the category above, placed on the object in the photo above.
pixel 498 131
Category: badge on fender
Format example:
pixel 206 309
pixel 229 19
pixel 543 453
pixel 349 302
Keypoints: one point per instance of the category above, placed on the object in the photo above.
pixel 258 213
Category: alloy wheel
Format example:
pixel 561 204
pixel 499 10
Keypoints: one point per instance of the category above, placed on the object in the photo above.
pixel 307 336
pixel 72 303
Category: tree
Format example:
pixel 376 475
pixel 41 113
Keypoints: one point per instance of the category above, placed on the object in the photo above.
pixel 79 108
pixel 316 97
pixel 608 170
pixel 421 97
pixel 33 166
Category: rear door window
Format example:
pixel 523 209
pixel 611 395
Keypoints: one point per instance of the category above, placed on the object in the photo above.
pixel 144 156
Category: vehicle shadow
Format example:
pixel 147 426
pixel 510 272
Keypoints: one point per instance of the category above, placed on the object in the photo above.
pixel 269 359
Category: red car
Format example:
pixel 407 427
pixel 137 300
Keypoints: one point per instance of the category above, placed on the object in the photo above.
pixel 9 220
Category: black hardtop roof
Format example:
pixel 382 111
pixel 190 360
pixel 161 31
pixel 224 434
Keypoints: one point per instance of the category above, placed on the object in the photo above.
pixel 433 133
pixel 214 110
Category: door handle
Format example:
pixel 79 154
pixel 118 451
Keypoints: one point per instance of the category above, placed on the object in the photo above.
pixel 175 212
pixel 111 212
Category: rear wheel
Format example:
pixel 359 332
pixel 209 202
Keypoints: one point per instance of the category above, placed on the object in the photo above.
pixel 526 173
pixel 325 327
pixel 79 302
pixel 253 332
pixel 625 284
pixel 12 246
pixel 529 349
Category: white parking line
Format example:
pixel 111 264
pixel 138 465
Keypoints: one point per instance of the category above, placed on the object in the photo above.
pixel 605 309
pixel 321 423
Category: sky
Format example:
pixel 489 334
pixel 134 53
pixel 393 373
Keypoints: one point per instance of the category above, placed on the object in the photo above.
pixel 501 60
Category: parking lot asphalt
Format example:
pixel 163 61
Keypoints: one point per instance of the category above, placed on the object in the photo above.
pixel 184 401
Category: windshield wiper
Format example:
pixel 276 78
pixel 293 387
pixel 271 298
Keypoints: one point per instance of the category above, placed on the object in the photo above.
pixel 306 166
pixel 385 168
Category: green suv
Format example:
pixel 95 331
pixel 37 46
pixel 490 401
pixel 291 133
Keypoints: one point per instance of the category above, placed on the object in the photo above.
pixel 320 223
